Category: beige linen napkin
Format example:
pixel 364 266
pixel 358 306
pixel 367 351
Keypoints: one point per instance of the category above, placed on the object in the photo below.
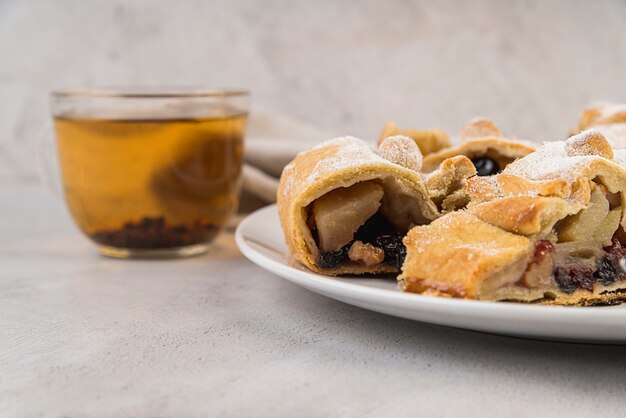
pixel 273 139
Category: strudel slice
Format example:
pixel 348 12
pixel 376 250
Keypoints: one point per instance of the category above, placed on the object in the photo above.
pixel 549 229
pixel 345 206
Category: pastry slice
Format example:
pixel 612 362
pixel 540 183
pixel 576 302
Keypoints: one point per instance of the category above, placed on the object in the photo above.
pixel 428 141
pixel 608 119
pixel 482 143
pixel 549 229
pixel 344 207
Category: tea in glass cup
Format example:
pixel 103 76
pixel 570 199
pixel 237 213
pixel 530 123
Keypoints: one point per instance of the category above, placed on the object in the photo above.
pixel 150 172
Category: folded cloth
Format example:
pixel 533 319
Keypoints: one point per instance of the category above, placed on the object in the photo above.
pixel 273 140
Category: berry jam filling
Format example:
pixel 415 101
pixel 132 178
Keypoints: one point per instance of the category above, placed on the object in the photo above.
pixel 486 166
pixel 377 231
pixel 569 279
pixel 607 272
pixel 615 253
pixel 543 248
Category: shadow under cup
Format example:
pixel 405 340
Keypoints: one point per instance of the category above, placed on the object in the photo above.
pixel 150 172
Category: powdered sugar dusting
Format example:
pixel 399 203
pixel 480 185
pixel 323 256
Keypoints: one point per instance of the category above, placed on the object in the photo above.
pixel 343 153
pixel 350 152
pixel 589 142
pixel 551 162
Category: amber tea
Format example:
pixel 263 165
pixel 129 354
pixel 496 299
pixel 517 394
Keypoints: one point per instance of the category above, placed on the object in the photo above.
pixel 136 185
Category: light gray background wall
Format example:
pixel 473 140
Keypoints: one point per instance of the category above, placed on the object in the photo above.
pixel 346 66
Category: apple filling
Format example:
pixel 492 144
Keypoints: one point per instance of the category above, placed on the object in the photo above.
pixel 352 225
pixel 584 249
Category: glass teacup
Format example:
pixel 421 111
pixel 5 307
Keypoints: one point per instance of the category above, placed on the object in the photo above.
pixel 150 171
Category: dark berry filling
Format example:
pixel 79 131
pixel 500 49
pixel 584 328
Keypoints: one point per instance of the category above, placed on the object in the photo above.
pixel 400 256
pixel 615 253
pixel 486 166
pixel 373 228
pixel 394 249
pixel 543 248
pixel 607 272
pixel 332 259
pixel 569 279
pixel 377 231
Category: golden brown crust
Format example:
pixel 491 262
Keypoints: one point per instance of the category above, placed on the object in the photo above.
pixel 428 141
pixel 524 215
pixel 485 189
pixel 554 167
pixel 482 189
pixel 338 163
pixel 458 254
pixel 590 142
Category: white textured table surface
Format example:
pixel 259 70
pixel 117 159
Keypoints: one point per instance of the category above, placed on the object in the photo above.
pixel 82 335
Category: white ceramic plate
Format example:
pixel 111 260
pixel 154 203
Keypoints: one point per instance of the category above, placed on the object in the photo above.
pixel 260 239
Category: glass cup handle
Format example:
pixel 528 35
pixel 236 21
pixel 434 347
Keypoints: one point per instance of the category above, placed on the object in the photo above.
pixel 47 161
